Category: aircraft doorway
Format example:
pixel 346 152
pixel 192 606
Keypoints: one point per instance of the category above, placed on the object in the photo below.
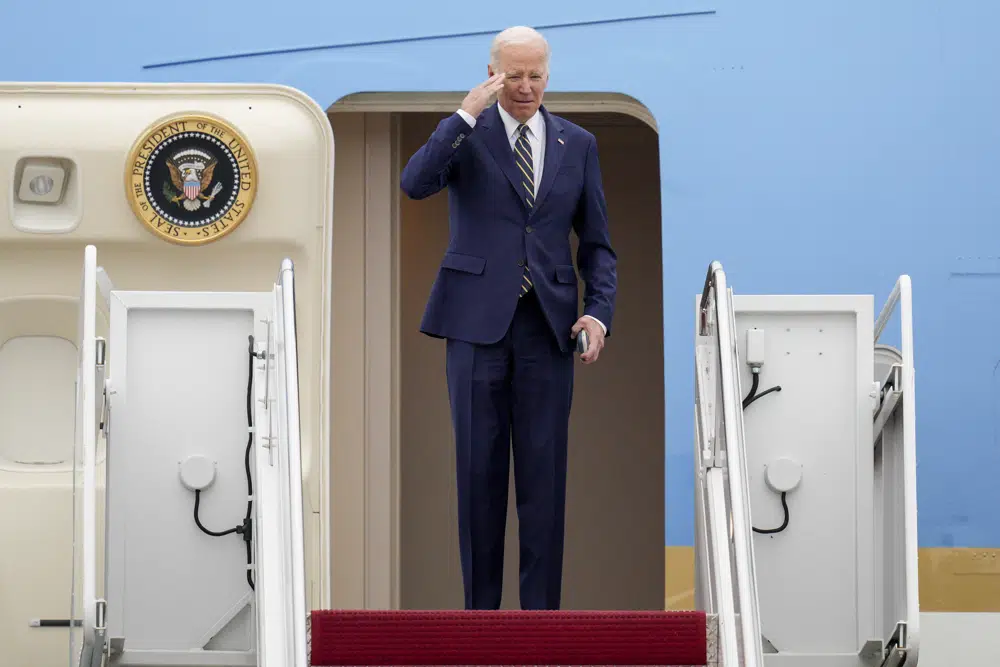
pixel 615 520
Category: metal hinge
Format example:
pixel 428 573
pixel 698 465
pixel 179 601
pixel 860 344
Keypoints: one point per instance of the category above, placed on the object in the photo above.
pixel 894 653
pixel 115 646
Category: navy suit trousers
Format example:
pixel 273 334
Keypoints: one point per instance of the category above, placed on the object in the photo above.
pixel 515 393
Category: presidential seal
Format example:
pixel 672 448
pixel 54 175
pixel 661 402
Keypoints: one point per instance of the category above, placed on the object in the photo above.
pixel 191 179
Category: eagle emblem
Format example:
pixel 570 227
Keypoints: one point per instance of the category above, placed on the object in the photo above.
pixel 191 174
pixel 191 178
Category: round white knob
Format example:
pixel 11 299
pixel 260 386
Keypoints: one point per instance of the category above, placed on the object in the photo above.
pixel 783 474
pixel 197 473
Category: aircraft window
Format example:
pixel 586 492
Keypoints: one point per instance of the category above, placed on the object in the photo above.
pixel 37 401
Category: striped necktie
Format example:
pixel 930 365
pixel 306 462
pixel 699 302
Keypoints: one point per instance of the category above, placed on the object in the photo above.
pixel 522 157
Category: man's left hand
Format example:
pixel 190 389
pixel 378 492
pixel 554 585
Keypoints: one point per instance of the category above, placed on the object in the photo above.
pixel 595 336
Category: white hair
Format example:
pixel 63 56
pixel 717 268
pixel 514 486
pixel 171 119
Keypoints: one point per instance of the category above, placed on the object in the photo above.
pixel 518 34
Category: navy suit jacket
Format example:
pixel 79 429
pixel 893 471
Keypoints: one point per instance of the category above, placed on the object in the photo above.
pixel 493 232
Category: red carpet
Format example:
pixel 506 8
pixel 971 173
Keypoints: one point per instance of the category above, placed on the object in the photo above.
pixel 507 638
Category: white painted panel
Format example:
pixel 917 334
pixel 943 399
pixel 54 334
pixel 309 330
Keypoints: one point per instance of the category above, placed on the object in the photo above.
pixel 179 372
pixel 815 578
pixel 953 639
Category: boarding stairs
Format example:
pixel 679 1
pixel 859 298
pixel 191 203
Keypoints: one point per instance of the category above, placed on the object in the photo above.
pixel 743 618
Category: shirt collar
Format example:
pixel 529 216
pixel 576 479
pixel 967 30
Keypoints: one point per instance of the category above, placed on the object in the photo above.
pixel 511 124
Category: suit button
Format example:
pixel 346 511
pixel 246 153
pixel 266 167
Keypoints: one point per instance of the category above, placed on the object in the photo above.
pixel 528 229
pixel 520 262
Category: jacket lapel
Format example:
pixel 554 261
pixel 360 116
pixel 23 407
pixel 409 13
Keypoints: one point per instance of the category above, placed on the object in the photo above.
pixel 554 151
pixel 498 144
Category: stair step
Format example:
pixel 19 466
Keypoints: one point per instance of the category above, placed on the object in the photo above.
pixel 363 638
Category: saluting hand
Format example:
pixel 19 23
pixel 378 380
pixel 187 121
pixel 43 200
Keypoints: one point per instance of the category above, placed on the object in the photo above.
pixel 479 97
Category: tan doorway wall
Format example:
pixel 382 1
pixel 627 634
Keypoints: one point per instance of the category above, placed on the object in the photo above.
pixel 615 519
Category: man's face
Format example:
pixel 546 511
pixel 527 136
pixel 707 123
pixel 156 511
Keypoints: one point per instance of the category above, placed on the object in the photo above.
pixel 527 76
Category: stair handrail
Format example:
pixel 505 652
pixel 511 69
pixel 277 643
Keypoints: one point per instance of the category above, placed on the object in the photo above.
pixel 733 458
pixel 902 296
pixel 289 349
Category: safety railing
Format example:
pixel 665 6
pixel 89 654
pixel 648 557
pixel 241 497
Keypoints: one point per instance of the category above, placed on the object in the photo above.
pixel 727 584
pixel 88 605
pixel 289 377
pixel 281 603
pixel 895 456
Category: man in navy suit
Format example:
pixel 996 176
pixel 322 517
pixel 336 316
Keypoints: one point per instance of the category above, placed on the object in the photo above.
pixel 505 298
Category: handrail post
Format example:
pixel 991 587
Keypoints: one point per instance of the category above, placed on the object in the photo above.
pixel 735 459
pixel 902 295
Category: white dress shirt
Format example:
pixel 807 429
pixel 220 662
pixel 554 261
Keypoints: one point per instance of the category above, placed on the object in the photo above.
pixel 536 139
pixel 535 136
